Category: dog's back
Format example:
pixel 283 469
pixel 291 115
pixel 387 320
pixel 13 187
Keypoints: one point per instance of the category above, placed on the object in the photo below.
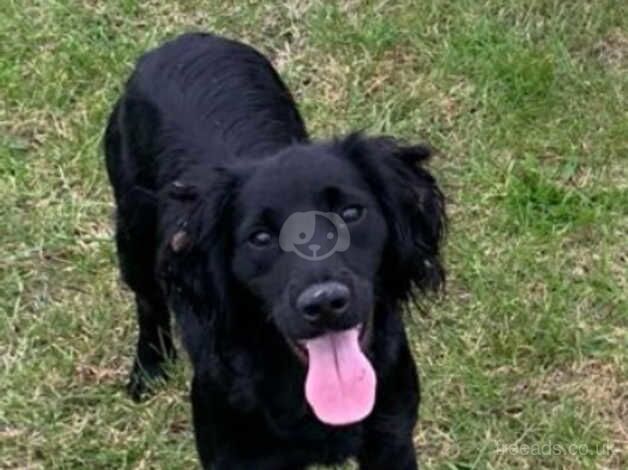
pixel 199 97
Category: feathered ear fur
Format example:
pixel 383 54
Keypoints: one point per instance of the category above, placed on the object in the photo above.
pixel 192 262
pixel 413 206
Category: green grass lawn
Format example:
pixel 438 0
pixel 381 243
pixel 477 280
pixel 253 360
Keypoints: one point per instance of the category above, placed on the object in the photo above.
pixel 524 361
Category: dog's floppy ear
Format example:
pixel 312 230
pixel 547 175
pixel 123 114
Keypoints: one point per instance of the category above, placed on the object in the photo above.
pixel 192 262
pixel 413 205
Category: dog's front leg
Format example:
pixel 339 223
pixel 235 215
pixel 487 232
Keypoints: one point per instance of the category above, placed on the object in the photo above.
pixel 226 439
pixel 385 454
pixel 388 441
pixel 264 464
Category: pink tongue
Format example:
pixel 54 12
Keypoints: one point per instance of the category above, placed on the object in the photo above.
pixel 340 383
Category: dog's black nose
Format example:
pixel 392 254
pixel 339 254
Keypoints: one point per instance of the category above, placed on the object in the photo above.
pixel 323 301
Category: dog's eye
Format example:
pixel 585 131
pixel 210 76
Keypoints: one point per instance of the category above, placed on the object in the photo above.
pixel 260 239
pixel 352 213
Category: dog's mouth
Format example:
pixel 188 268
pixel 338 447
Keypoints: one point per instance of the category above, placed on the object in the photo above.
pixel 340 383
pixel 299 347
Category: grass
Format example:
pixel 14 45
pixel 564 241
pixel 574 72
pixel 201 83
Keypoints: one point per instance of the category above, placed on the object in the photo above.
pixel 524 361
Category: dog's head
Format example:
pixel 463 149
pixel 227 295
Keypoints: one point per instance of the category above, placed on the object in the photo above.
pixel 318 235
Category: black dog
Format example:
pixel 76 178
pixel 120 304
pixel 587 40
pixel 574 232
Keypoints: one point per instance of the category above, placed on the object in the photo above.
pixel 285 261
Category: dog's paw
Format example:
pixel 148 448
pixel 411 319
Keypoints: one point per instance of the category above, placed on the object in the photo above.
pixel 144 378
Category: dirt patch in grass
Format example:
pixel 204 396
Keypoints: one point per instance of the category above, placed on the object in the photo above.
pixel 92 374
pixel 612 50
